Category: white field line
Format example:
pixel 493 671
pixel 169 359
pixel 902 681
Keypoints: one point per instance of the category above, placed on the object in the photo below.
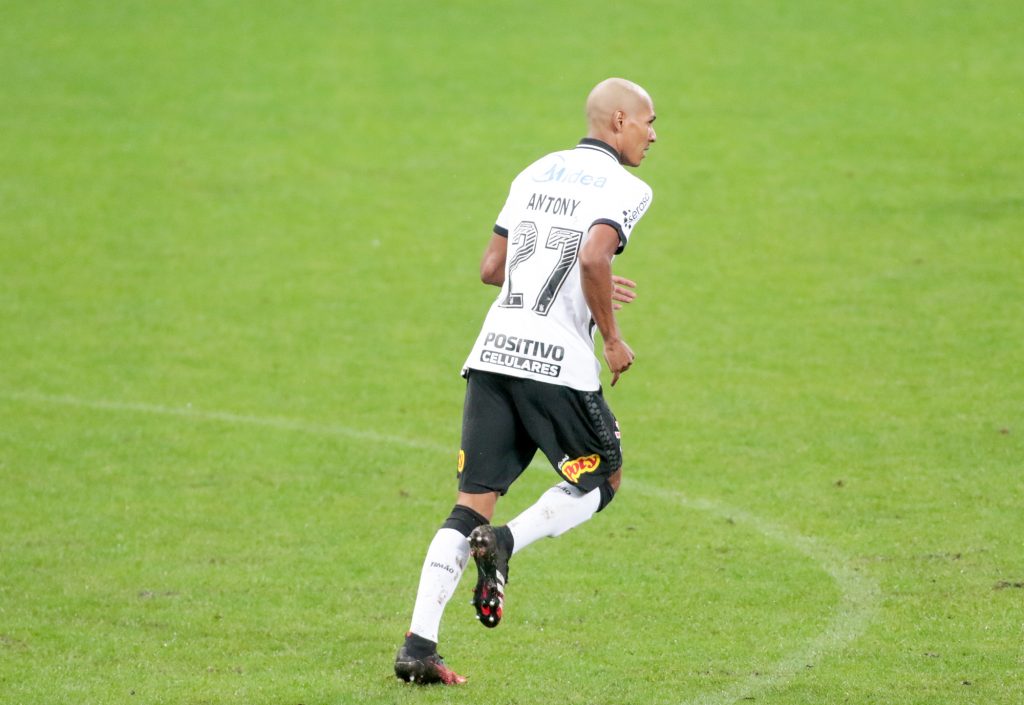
pixel 859 593
pixel 190 412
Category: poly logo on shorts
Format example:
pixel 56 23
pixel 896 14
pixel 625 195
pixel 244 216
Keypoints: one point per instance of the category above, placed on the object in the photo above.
pixel 462 460
pixel 572 469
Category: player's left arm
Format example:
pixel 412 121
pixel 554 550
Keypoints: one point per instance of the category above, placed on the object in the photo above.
pixel 492 265
pixel 635 203
pixel 622 290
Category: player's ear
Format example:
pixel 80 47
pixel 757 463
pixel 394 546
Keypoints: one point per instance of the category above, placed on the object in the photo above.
pixel 617 120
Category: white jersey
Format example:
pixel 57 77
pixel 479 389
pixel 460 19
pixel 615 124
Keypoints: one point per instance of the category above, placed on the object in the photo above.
pixel 540 327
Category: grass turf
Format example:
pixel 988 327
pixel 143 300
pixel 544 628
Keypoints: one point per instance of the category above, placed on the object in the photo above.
pixel 238 250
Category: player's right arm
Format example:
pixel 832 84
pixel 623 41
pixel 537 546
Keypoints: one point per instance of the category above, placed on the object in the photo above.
pixel 598 287
pixel 492 265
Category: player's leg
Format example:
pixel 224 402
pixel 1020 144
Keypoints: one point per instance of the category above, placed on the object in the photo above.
pixel 443 564
pixel 482 503
pixel 565 424
pixel 580 436
pixel 417 660
pixel 488 463
pixel 500 471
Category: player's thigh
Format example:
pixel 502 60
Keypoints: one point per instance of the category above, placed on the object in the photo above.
pixel 576 430
pixel 495 446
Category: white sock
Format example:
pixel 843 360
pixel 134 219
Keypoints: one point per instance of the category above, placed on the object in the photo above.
pixel 442 569
pixel 558 510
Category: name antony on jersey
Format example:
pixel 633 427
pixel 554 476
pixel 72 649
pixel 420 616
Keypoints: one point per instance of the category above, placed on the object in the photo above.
pixel 553 204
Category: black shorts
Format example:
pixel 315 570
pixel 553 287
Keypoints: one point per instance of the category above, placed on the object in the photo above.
pixel 507 419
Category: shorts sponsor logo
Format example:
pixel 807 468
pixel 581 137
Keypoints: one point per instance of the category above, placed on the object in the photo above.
pixel 573 469
pixel 462 460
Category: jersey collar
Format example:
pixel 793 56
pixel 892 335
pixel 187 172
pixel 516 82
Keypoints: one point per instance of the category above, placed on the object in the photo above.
pixel 599 146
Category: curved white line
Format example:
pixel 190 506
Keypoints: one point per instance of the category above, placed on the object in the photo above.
pixel 859 592
pixel 857 604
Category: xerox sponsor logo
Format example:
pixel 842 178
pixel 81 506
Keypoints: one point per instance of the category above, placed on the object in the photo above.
pixel 630 217
pixel 572 469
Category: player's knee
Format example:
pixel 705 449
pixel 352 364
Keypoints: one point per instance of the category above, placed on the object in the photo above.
pixel 609 488
pixel 464 520
pixel 614 479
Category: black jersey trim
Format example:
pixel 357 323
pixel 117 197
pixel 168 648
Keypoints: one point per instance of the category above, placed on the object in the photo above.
pixel 599 146
pixel 498 230
pixel 618 229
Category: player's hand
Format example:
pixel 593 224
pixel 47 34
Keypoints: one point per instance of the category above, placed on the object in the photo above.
pixel 619 357
pixel 622 291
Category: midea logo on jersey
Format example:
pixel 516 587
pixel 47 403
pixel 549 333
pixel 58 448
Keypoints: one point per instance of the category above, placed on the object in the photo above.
pixel 557 172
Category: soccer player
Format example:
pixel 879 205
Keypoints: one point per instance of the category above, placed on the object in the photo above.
pixel 532 376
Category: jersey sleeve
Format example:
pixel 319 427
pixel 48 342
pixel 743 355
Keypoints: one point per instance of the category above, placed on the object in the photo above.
pixel 501 225
pixel 624 211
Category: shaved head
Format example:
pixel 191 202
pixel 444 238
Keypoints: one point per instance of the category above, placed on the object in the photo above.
pixel 614 94
pixel 621 113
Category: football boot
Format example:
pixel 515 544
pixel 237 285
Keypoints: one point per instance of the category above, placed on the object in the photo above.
pixel 492 573
pixel 424 670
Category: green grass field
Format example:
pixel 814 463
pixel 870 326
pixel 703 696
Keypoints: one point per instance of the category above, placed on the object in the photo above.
pixel 238 277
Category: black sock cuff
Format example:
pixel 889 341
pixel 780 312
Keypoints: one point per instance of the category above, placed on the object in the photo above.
pixel 464 520
pixel 419 647
pixel 607 495
pixel 505 538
